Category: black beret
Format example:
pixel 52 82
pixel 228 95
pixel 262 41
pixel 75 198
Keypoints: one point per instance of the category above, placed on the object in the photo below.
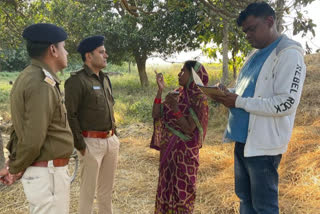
pixel 90 43
pixel 44 33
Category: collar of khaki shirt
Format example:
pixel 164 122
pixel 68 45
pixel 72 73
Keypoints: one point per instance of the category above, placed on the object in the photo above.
pixel 90 72
pixel 40 64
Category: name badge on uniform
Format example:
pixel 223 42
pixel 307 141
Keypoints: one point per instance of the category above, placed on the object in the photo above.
pixel 96 88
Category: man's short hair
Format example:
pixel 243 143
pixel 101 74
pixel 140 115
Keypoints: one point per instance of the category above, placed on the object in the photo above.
pixel 83 57
pixel 257 9
pixel 36 49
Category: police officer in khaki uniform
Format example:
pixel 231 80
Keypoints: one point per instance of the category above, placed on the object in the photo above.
pixel 42 141
pixel 89 104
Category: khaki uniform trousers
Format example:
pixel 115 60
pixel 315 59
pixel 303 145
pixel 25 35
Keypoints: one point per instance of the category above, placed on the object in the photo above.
pixel 97 172
pixel 47 189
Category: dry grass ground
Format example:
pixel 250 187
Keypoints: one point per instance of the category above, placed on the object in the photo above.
pixel 309 108
pixel 137 173
pixel 136 177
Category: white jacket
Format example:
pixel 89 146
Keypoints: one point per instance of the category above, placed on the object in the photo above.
pixel 277 95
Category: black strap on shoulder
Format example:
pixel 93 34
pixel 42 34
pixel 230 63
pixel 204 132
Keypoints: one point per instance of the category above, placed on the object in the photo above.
pixel 108 81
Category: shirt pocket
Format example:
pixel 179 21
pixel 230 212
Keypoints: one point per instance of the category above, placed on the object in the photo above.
pixel 97 100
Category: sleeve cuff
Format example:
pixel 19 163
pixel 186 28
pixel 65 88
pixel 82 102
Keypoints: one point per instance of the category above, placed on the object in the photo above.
pixel 240 102
pixel 13 169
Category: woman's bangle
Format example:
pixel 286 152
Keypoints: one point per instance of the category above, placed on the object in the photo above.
pixel 178 114
pixel 157 101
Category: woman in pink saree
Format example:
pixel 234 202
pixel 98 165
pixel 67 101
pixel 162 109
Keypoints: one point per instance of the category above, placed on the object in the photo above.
pixel 180 125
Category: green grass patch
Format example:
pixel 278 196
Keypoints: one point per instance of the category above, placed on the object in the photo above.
pixel 5 88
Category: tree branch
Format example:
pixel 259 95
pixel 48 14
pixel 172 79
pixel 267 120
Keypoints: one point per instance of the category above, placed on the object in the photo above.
pixel 126 6
pixel 133 9
pixel 221 12
pixel 11 22
pixel 117 5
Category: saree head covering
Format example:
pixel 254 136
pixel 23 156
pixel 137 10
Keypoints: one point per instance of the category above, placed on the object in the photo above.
pixel 179 152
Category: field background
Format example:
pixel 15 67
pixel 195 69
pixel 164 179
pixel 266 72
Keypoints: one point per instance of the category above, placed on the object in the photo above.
pixel 137 171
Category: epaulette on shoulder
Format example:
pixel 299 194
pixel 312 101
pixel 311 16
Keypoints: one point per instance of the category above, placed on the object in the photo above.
pixel 48 78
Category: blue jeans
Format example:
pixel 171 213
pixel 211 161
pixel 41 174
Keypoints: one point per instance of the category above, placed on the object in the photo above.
pixel 256 182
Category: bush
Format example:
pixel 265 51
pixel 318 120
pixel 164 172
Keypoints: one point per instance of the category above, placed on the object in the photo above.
pixel 13 59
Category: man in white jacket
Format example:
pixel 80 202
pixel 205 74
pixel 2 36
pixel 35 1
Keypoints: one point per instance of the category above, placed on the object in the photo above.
pixel 262 108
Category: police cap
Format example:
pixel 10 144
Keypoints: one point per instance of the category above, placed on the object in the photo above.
pixel 44 33
pixel 89 44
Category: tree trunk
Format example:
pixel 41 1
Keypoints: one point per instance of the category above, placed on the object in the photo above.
pixel 234 66
pixel 129 64
pixel 225 60
pixel 279 15
pixel 141 64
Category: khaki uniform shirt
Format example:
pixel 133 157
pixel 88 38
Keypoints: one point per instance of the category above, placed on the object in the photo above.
pixel 89 104
pixel 41 130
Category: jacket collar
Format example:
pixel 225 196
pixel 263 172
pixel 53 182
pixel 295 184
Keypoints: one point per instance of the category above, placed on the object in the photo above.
pixel 89 72
pixel 285 42
pixel 45 67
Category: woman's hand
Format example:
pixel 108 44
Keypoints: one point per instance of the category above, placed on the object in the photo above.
pixel 156 109
pixel 160 81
